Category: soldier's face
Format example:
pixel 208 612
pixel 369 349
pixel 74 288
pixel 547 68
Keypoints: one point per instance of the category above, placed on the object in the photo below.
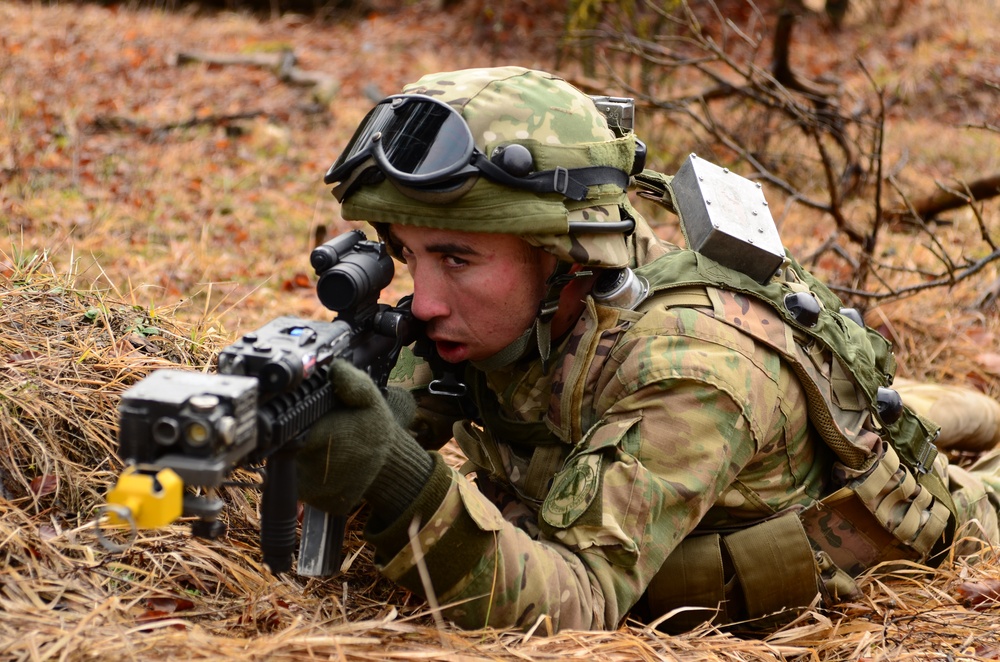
pixel 477 292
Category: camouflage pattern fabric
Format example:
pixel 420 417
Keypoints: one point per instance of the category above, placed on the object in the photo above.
pixel 682 421
pixel 558 124
pixel 668 422
pixel 649 427
pixel 969 420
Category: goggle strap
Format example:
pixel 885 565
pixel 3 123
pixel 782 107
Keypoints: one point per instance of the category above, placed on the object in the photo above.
pixel 344 188
pixel 591 176
pixel 570 183
pixel 624 227
pixel 559 279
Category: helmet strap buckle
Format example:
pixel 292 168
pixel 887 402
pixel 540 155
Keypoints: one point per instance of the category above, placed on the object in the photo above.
pixel 561 181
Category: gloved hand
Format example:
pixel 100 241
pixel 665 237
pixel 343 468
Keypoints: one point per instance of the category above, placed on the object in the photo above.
pixel 361 450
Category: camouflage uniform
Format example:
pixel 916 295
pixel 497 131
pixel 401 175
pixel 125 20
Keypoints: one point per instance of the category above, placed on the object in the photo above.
pixel 647 426
pixel 681 423
pixel 666 423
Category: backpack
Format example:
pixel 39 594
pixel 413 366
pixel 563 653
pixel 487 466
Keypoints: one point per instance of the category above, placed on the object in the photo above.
pixel 889 504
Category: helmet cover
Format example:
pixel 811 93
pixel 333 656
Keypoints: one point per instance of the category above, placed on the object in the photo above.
pixel 558 124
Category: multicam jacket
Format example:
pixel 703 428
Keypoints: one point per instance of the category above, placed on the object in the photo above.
pixel 654 427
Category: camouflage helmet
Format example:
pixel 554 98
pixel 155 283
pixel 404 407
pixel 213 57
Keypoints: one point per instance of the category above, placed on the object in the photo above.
pixel 560 126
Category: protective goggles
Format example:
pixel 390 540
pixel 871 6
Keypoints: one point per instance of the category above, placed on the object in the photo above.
pixel 424 144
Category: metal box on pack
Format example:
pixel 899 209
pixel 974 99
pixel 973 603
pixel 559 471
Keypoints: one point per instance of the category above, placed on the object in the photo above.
pixel 726 218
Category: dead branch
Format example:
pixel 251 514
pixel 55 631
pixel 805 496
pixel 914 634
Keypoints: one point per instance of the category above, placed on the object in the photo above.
pixel 947 199
pixel 284 64
pixel 935 247
pixel 109 123
pixel 762 94
pixel 866 261
pixel 988 296
pixel 730 104
pixel 823 99
pixel 782 70
pixel 949 279
pixel 985 126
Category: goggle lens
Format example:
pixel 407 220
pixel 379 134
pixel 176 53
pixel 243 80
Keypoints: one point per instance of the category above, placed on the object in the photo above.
pixel 428 143
pixel 424 145
pixel 412 138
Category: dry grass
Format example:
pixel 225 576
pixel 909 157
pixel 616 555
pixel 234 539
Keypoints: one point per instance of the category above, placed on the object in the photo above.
pixel 68 353
pixel 132 249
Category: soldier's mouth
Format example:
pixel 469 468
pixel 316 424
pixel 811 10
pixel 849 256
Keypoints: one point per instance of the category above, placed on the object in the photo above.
pixel 450 351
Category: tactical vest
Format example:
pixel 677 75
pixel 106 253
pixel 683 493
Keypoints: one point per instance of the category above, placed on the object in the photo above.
pixel 888 505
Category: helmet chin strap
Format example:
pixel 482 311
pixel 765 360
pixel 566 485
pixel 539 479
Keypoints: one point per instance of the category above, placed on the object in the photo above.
pixel 539 334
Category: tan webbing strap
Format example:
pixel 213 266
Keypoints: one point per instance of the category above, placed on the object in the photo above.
pixel 869 488
pixel 692 576
pixel 902 505
pixel 775 565
pixel 914 517
pixel 546 461
pixel 844 390
pixel 695 296
pixel 935 529
pixel 773 562
pixel 478 447
pixel 839 585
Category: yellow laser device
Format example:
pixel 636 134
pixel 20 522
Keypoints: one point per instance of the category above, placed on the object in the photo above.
pixel 152 499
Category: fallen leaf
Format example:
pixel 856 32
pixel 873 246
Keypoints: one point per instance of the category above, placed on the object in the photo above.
pixel 269 620
pixel 47 532
pixel 982 337
pixel 298 281
pixel 979 595
pixel 156 615
pixel 42 485
pixel 169 604
pixel 27 355
pixel 990 362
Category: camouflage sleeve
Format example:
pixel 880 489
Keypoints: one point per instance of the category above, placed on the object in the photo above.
pixel 640 481
pixel 435 416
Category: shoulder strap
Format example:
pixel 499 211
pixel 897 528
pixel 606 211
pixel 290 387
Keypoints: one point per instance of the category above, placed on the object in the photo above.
pixel 863 356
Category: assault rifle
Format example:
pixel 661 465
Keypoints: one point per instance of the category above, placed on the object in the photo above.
pixel 187 429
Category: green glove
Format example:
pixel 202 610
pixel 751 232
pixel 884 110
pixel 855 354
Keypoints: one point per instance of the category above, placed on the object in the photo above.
pixel 362 450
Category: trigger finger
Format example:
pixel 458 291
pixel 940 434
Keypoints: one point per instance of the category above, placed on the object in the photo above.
pixel 352 387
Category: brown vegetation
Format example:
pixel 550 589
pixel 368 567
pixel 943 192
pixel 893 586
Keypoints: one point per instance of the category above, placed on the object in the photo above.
pixel 155 207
